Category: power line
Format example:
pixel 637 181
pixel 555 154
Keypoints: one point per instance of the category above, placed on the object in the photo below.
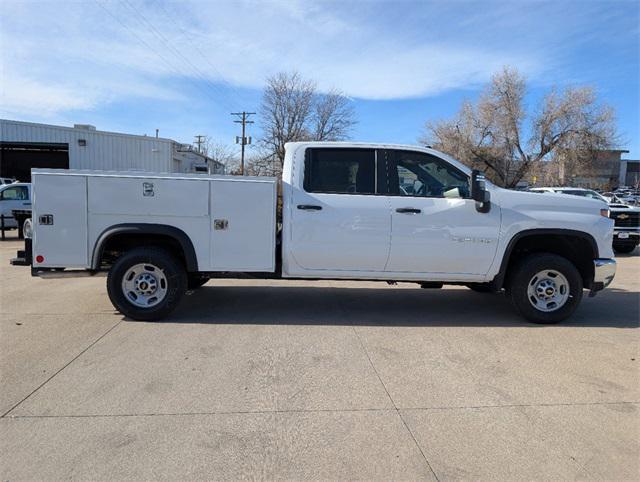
pixel 169 64
pixel 244 140
pixel 177 53
pixel 189 38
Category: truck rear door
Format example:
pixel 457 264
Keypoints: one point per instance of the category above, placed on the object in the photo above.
pixel 338 222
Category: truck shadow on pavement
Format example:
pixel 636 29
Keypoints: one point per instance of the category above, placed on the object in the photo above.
pixel 295 305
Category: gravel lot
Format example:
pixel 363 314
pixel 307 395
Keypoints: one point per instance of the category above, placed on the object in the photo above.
pixel 317 380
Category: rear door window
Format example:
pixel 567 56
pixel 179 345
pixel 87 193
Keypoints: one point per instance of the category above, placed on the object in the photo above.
pixel 340 171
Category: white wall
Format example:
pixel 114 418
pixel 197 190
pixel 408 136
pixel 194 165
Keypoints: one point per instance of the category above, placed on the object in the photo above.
pixel 104 150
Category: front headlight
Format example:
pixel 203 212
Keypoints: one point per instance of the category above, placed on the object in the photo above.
pixel 604 212
pixel 27 228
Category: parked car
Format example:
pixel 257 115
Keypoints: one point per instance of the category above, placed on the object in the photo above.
pixel 626 234
pixel 628 196
pixel 7 180
pixel 346 214
pixel 611 198
pixel 14 196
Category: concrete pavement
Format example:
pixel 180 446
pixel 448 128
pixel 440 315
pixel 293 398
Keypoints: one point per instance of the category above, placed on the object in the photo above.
pixel 316 380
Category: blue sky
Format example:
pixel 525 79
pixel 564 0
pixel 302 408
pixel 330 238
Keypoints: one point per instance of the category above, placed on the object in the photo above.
pixel 134 66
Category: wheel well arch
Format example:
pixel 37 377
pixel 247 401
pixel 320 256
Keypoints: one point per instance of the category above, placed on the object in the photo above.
pixel 121 237
pixel 578 247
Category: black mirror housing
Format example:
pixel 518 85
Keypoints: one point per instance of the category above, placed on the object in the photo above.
pixel 479 192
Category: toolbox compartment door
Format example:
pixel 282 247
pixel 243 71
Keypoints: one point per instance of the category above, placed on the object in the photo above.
pixel 243 220
pixel 139 196
pixel 60 221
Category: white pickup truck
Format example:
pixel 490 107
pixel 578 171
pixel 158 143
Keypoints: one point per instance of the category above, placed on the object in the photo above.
pixel 349 211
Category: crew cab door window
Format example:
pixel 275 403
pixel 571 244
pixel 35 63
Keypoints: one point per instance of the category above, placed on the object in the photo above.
pixel 337 222
pixel 419 174
pixel 340 171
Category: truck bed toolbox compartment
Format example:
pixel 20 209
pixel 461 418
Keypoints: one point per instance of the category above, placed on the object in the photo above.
pixel 60 220
pixel 243 220
pixel 139 196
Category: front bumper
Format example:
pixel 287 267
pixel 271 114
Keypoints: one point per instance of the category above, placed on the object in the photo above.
pixel 604 270
pixel 628 233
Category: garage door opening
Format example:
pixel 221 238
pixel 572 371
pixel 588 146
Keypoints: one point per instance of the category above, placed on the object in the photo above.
pixel 17 158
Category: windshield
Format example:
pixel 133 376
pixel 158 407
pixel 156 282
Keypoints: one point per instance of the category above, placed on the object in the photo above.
pixel 584 193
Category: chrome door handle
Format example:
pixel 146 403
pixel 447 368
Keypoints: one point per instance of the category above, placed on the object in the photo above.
pixel 408 211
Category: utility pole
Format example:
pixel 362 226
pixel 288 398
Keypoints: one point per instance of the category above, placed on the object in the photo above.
pixel 199 141
pixel 244 140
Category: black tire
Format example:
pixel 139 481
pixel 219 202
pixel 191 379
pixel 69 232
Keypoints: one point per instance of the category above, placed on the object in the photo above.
pixel 624 248
pixel 194 282
pixel 525 271
pixel 172 269
pixel 481 287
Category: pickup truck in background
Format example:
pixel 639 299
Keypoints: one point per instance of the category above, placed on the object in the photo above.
pixel 14 196
pixel 626 218
pixel 350 211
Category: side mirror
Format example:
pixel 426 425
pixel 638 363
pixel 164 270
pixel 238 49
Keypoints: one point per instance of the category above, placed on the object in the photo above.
pixel 479 192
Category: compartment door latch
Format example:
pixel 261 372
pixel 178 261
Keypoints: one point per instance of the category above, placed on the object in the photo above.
pixel 45 219
pixel 220 224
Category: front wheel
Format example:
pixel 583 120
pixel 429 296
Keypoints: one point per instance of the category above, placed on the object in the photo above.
pixel 545 288
pixel 146 283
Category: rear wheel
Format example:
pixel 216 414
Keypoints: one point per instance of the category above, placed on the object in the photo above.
pixel 146 283
pixel 545 288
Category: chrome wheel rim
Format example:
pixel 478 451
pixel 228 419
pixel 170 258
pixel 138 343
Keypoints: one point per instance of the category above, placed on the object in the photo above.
pixel 548 290
pixel 144 285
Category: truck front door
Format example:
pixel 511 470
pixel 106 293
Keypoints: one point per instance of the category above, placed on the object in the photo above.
pixel 339 223
pixel 435 225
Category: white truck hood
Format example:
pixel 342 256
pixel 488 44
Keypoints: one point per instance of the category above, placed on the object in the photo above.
pixel 548 201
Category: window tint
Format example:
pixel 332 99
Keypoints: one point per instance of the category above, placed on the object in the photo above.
pixel 422 175
pixel 18 193
pixel 344 171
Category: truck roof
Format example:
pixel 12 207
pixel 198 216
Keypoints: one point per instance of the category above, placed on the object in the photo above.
pixel 380 145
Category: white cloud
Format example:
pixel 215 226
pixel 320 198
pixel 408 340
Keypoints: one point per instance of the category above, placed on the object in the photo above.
pixel 59 56
pixel 26 96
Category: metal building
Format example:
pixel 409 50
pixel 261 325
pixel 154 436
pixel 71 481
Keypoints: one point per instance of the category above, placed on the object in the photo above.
pixel 24 145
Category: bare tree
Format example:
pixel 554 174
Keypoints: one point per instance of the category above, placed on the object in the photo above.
pixel 491 134
pixel 263 163
pixel 221 153
pixel 293 110
pixel 286 104
pixel 333 117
